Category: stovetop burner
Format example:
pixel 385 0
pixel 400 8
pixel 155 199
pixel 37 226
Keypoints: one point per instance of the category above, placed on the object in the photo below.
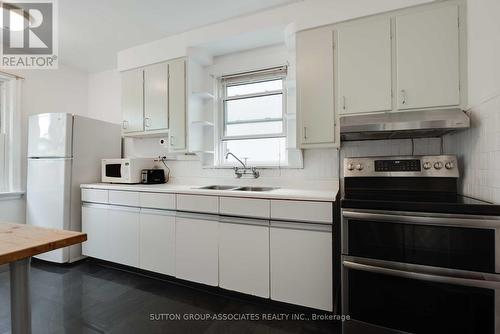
pixel 408 183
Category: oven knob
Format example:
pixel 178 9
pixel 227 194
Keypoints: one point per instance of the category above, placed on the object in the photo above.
pixel 350 166
pixel 427 165
pixel 438 165
pixel 359 167
pixel 449 165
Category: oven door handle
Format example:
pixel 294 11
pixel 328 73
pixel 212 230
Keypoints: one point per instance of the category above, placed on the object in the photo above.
pixel 423 276
pixel 425 220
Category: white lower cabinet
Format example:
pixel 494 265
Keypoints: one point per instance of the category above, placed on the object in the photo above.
pixel 95 224
pixel 196 253
pixel 301 264
pixel 122 244
pixel 157 241
pixel 244 255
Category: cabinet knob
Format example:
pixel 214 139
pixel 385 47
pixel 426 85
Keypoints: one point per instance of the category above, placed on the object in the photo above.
pixel 147 122
pixel 171 140
pixel 305 132
pixel 125 125
pixel 343 102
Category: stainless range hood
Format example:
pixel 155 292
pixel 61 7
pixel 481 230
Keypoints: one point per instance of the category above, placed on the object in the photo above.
pixel 402 124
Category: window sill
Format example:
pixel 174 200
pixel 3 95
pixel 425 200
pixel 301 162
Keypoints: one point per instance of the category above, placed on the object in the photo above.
pixel 258 167
pixel 10 195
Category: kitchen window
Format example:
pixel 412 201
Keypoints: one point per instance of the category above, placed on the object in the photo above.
pixel 253 108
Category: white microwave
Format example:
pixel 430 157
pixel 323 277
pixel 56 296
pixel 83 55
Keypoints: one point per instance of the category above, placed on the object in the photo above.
pixel 126 170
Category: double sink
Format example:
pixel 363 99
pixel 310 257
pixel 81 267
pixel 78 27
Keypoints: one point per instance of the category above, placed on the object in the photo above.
pixel 235 188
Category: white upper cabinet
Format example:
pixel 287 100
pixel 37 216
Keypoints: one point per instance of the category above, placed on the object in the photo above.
pixel 427 56
pixel 132 101
pixel 316 114
pixel 364 67
pixel 154 102
pixel 177 104
pixel 156 97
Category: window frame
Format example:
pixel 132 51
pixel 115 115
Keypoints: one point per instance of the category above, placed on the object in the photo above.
pixel 10 90
pixel 269 74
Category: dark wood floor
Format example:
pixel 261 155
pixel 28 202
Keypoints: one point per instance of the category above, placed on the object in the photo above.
pixel 90 298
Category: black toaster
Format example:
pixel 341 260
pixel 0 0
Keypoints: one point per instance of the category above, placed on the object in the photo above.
pixel 153 176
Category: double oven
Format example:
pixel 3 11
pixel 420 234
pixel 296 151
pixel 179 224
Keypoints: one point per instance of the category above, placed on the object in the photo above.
pixel 416 256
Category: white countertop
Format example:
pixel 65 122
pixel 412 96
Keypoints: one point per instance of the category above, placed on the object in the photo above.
pixel 280 193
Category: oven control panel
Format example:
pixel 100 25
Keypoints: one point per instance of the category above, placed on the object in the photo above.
pixel 409 166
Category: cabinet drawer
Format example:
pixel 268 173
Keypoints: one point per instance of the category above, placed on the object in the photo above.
pixel 157 201
pixel 197 203
pixel 130 198
pixel 244 207
pixel 321 212
pixel 95 195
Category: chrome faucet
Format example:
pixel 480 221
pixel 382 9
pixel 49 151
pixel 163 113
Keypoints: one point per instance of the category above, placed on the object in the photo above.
pixel 239 172
pixel 241 162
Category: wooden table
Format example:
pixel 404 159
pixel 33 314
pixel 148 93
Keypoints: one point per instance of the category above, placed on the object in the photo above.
pixel 18 243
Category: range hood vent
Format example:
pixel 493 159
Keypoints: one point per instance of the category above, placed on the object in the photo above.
pixel 403 124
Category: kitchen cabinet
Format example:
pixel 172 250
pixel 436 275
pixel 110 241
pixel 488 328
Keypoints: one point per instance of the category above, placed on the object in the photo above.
pixel 244 207
pixel 315 91
pixel 196 248
pixel 288 259
pixel 364 67
pixel 301 264
pixel 122 238
pixel 132 101
pixel 154 102
pixel 156 97
pixel 157 241
pixel 198 203
pixel 177 104
pixel 308 211
pixel 95 224
pixel 244 255
pixel 427 54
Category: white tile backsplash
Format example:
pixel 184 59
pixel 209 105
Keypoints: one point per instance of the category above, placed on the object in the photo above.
pixel 478 150
pixel 321 166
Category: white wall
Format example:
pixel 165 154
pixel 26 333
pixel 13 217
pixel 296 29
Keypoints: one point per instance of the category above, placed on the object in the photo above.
pixel 104 96
pixel 12 210
pixel 479 147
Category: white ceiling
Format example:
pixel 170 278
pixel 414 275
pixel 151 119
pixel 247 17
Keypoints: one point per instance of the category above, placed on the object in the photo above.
pixel 91 32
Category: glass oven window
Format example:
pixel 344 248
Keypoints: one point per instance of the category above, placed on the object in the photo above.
pixel 420 306
pixel 114 170
pixel 440 246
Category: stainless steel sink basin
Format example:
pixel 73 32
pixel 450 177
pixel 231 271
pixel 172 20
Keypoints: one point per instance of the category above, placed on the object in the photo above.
pixel 218 187
pixel 255 189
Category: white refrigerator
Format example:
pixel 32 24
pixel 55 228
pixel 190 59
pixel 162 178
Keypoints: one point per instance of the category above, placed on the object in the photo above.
pixel 64 151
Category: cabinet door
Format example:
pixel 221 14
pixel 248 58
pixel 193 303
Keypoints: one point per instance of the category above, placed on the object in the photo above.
pixel 156 97
pixel 157 241
pixel 95 224
pixel 244 256
pixel 364 67
pixel 123 235
pixel 427 54
pixel 132 101
pixel 177 104
pixel 315 86
pixel 301 264
pixel 196 249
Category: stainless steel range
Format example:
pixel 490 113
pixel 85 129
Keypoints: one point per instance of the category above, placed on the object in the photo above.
pixel 416 256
